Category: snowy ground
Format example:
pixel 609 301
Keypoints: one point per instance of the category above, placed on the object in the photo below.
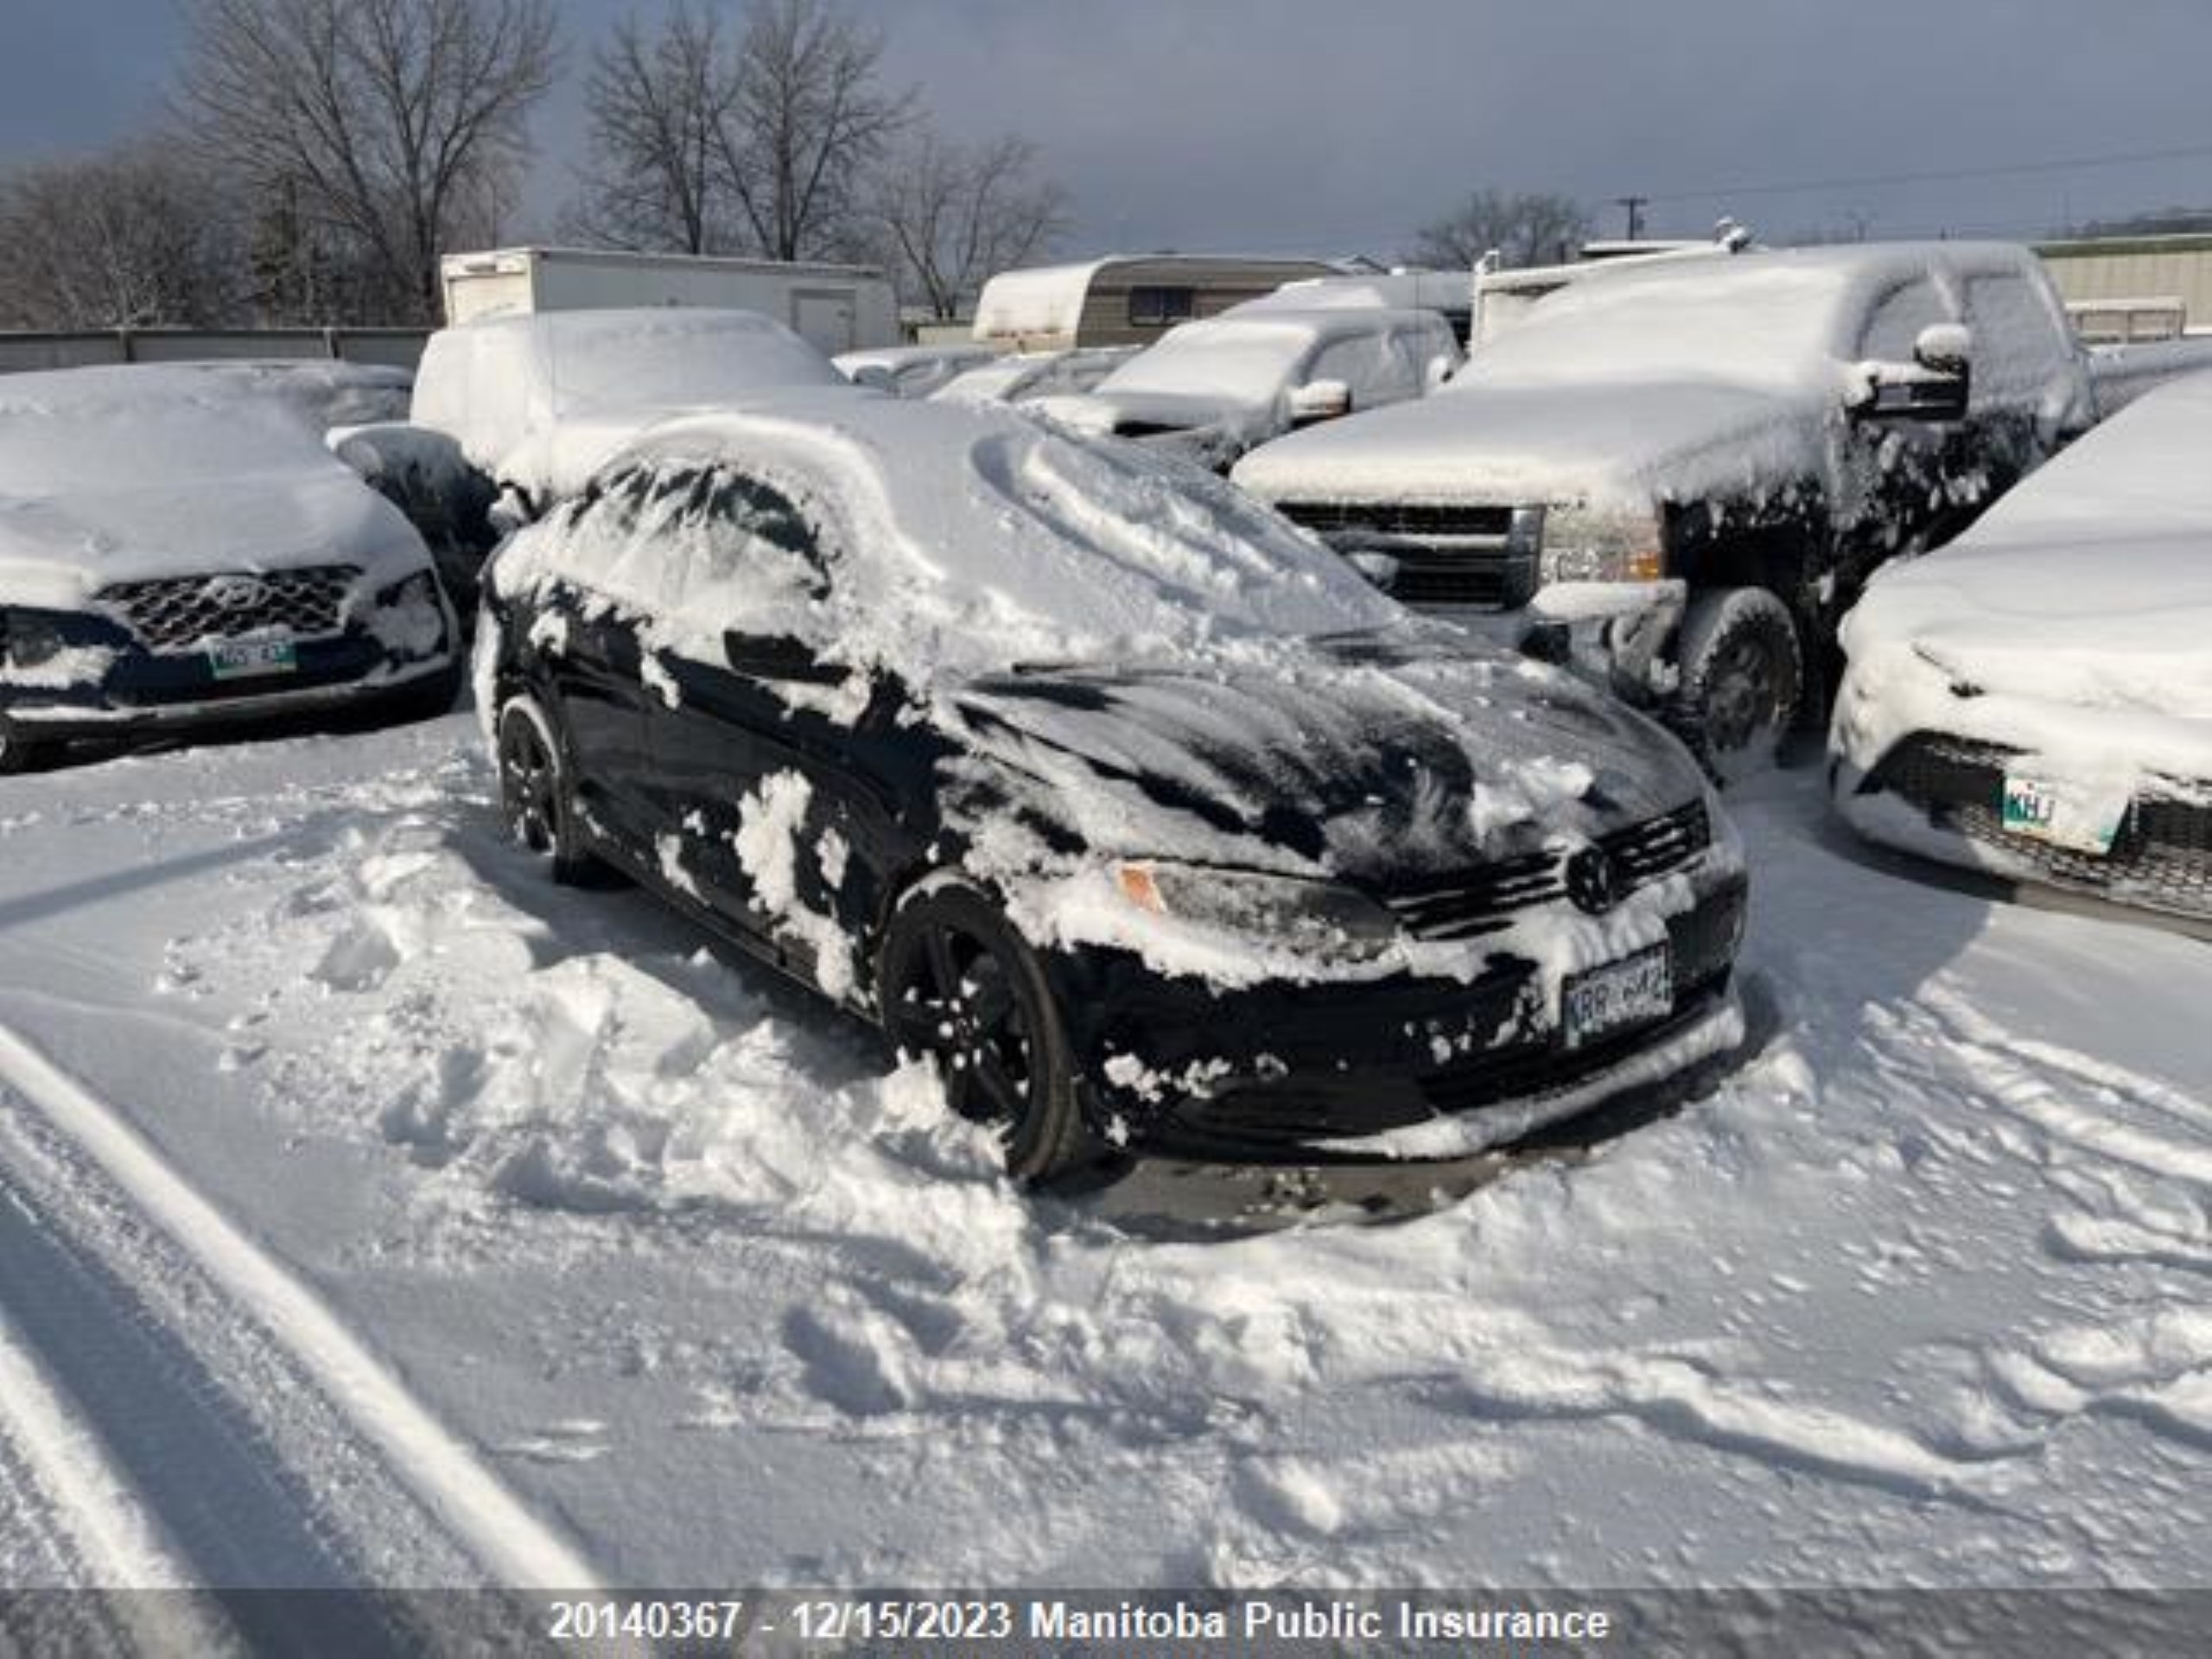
pixel 368 1210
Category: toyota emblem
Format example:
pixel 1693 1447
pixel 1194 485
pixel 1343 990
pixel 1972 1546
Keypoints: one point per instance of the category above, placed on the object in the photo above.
pixel 235 592
pixel 1593 881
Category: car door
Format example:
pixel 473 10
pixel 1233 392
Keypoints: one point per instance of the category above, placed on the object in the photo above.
pixel 586 638
pixel 1897 496
pixel 761 751
pixel 2023 375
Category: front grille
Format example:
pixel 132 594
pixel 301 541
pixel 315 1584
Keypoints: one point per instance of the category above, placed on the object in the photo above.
pixel 176 612
pixel 2163 851
pixel 1482 557
pixel 1471 903
pixel 1389 518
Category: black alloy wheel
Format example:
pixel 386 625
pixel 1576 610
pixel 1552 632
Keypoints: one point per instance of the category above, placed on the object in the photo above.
pixel 956 984
pixel 534 792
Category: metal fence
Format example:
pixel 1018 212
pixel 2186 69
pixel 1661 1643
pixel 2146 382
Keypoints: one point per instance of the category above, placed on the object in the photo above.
pixel 396 347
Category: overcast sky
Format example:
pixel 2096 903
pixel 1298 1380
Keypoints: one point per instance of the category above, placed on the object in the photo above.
pixel 1338 126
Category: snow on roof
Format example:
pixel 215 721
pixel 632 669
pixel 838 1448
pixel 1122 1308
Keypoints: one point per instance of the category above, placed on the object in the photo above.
pixel 1245 357
pixel 1043 299
pixel 132 473
pixel 1401 291
pixel 535 399
pixel 967 539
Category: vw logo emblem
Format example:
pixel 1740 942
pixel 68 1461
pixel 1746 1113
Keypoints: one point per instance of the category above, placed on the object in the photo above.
pixel 1593 881
pixel 235 592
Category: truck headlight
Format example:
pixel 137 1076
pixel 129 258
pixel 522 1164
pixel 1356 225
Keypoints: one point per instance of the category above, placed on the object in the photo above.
pixel 32 639
pixel 1312 918
pixel 1585 546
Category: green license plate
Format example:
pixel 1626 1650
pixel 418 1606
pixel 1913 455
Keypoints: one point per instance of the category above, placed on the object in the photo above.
pixel 249 657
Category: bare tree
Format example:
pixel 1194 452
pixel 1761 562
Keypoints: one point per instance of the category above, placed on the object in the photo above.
pixel 952 214
pixel 1525 228
pixel 809 119
pixel 133 236
pixel 398 124
pixel 659 106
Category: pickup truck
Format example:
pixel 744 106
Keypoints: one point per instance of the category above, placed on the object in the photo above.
pixel 1679 474
pixel 510 413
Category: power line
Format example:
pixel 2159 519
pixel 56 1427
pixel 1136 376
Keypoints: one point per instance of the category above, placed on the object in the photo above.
pixel 1942 175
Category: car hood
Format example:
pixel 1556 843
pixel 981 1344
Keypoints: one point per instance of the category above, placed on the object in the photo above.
pixel 1370 760
pixel 2107 626
pixel 57 550
pixel 1628 443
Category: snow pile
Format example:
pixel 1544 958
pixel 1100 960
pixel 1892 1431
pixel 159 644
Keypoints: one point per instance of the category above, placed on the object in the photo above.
pixel 2070 622
pixel 130 473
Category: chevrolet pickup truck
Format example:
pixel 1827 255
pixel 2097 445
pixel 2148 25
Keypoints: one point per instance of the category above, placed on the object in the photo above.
pixel 1679 475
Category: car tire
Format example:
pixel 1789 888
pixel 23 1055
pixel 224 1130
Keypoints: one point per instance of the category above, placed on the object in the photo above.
pixel 1742 673
pixel 537 793
pixel 20 754
pixel 957 982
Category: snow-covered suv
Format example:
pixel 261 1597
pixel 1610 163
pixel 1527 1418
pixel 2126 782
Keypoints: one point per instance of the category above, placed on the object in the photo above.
pixel 1704 459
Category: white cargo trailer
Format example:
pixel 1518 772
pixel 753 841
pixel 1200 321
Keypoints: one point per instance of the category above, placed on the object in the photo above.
pixel 836 308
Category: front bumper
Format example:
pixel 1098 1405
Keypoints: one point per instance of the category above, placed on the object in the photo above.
pixel 1309 1071
pixel 136 692
pixel 1942 796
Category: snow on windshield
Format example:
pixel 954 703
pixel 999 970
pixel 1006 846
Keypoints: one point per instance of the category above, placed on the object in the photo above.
pixel 1760 321
pixel 950 543
pixel 76 430
pixel 1246 361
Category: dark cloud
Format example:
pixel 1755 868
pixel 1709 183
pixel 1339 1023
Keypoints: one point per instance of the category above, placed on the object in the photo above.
pixel 1334 125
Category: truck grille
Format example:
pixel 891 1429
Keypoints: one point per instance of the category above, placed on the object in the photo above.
pixel 1471 903
pixel 176 613
pixel 1446 555
pixel 2163 852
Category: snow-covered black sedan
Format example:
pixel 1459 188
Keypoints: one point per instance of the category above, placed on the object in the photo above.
pixel 1126 802
pixel 179 550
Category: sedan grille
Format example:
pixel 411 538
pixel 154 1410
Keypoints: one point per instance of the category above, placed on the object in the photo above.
pixel 1396 519
pixel 1471 903
pixel 2163 853
pixel 176 612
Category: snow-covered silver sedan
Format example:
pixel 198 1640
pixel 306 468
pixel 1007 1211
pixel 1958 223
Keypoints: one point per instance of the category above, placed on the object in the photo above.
pixel 2036 699
pixel 177 550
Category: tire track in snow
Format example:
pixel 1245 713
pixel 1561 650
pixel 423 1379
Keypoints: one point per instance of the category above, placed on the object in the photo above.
pixel 105 1336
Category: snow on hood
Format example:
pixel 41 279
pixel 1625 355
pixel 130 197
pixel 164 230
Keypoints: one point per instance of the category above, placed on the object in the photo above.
pixel 2072 617
pixel 123 474
pixel 1366 757
pixel 1102 414
pixel 1533 443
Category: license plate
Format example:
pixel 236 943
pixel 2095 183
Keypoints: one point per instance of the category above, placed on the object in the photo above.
pixel 1632 992
pixel 251 657
pixel 2081 817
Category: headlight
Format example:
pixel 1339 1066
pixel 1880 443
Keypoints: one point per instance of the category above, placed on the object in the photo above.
pixel 1583 546
pixel 1312 918
pixel 32 639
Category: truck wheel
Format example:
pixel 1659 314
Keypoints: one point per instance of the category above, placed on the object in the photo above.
pixel 957 982
pixel 1742 672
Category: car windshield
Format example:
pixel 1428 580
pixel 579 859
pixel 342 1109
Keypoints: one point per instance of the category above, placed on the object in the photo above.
pixel 1754 321
pixel 1241 362
pixel 57 440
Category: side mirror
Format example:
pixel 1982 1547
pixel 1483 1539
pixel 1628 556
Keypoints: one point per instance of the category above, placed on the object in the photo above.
pixel 1910 391
pixel 777 656
pixel 1319 400
pixel 1945 348
pixel 1439 373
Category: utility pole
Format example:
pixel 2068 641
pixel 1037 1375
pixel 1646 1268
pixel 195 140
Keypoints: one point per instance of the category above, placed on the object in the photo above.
pixel 1635 204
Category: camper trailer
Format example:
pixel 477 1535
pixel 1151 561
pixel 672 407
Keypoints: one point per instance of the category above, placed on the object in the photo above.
pixel 1122 302
pixel 834 307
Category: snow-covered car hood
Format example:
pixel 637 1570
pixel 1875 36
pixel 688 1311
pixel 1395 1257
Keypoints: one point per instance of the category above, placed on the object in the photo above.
pixel 1104 413
pixel 1377 757
pixel 1629 443
pixel 57 550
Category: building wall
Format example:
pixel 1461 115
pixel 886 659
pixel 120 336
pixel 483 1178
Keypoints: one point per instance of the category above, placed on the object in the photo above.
pixel 2138 268
pixel 20 353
